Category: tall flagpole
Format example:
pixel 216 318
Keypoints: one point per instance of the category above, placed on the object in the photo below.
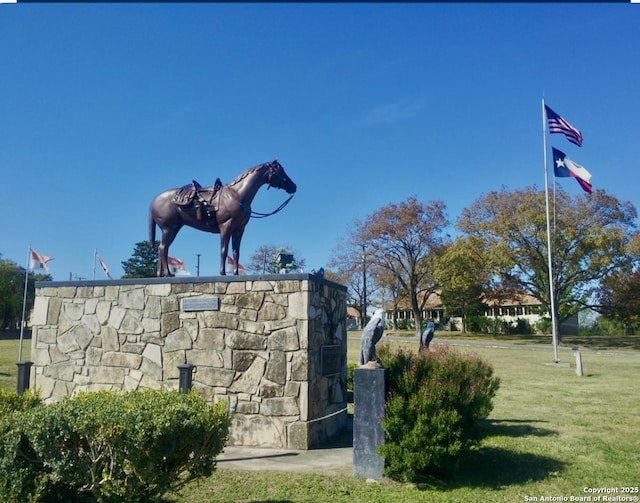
pixel 554 330
pixel 24 303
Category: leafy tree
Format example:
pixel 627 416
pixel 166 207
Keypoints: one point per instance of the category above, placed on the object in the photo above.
pixel 464 278
pixel 619 298
pixel 590 242
pixel 352 266
pixel 12 292
pixel 143 261
pixel 268 259
pixel 405 240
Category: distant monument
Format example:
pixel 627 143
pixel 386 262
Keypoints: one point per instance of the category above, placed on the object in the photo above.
pixel 220 209
pixel 371 335
pixel 369 383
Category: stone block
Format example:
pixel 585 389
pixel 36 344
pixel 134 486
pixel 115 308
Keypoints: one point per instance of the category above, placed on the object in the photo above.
pixel 252 429
pixel 242 340
pixel 209 358
pixel 284 340
pixel 106 375
pixel 73 310
pixel 153 352
pixel 158 290
pixel 110 339
pixel 120 359
pixel 272 312
pixel 277 367
pixel 248 382
pixel 369 399
pixel 210 376
pixel 40 310
pixel 177 340
pixel 210 338
pixel 251 300
pixel 281 406
pixel 103 311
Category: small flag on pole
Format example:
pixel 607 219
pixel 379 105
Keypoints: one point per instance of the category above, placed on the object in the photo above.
pixel 233 263
pixel 563 167
pixel 38 261
pixel 105 269
pixel 176 266
pixel 558 125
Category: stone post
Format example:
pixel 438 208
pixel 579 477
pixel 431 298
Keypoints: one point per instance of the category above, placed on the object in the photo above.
pixel 369 398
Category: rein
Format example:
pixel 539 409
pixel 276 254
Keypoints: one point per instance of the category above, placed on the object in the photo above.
pixel 255 214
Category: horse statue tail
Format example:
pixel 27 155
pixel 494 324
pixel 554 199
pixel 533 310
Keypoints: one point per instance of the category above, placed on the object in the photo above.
pixel 152 229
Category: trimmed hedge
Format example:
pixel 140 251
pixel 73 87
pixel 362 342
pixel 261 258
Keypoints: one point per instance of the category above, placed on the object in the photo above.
pixel 435 401
pixel 109 447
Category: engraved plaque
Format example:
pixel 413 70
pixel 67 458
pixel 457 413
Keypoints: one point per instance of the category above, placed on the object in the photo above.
pixel 331 360
pixel 201 304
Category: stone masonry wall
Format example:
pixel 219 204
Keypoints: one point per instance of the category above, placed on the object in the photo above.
pixel 273 348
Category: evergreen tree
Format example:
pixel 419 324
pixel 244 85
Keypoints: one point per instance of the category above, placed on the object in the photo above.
pixel 143 261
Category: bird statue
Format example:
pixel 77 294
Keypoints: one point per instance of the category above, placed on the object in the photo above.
pixel 370 337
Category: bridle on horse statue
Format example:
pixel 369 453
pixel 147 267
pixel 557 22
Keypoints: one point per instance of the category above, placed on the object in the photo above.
pixel 270 173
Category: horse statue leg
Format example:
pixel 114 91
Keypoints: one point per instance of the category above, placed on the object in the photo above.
pixel 236 239
pixel 168 235
pixel 224 250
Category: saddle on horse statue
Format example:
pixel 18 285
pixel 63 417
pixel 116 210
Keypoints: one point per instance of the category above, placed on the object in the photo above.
pixel 198 198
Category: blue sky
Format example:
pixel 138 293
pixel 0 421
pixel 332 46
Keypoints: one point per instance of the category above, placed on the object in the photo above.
pixel 102 106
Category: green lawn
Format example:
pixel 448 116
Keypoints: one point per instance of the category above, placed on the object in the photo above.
pixel 551 434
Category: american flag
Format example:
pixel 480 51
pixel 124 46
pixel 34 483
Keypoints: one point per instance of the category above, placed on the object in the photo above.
pixel 558 125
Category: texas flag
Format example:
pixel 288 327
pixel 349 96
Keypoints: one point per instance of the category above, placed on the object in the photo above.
pixel 38 261
pixel 563 167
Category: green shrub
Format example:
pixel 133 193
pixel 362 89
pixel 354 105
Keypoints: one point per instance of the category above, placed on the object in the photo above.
pixel 435 401
pixel 351 366
pixel 18 472
pixel 108 446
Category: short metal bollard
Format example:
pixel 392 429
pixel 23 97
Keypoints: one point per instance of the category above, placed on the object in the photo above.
pixel 578 356
pixel 24 374
pixel 186 377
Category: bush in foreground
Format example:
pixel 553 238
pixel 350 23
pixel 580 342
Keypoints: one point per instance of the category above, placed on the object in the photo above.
pixel 108 446
pixel 430 418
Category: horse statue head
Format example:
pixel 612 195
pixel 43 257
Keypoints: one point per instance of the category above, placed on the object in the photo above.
pixel 276 177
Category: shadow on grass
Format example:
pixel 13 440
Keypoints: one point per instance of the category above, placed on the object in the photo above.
pixel 513 428
pixel 495 467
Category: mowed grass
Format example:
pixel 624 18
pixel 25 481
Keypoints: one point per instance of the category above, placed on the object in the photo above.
pixel 551 434
pixel 8 359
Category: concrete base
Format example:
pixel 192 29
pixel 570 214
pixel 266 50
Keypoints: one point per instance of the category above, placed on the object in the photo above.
pixel 369 399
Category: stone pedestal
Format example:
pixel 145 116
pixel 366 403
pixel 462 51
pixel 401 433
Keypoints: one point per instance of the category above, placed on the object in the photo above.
pixel 271 347
pixel 369 398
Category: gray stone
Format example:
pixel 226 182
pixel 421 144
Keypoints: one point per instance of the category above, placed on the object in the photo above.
pixel 73 310
pixel 250 379
pixel 179 339
pixel 214 376
pixel 277 367
pixel 285 406
pixel 284 340
pixel 242 360
pixel 126 360
pixel 153 352
pixel 252 300
pixel 241 340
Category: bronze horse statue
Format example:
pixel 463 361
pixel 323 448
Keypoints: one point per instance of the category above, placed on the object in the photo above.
pixel 220 209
